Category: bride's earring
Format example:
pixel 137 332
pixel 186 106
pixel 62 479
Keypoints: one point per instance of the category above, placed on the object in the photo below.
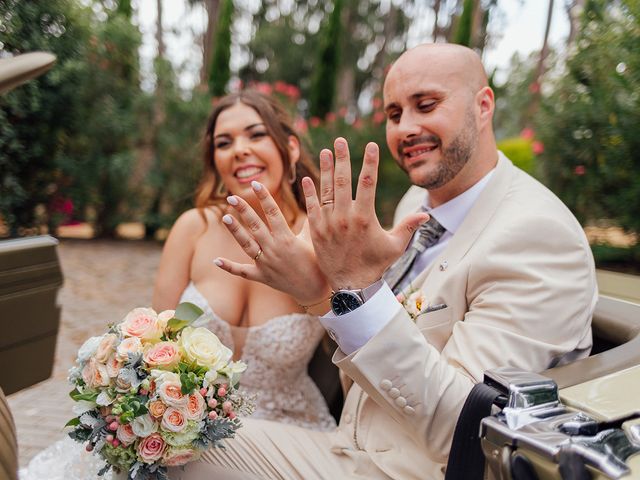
pixel 292 174
pixel 221 190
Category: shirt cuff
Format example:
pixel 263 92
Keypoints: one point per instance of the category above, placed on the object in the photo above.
pixel 352 330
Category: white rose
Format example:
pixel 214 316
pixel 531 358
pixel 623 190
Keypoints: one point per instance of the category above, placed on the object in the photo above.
pixel 233 370
pixel 161 376
pixel 88 348
pixel 144 425
pixel 204 348
pixel 164 317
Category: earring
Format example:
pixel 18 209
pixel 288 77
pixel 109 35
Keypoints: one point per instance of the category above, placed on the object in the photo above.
pixel 221 190
pixel 292 174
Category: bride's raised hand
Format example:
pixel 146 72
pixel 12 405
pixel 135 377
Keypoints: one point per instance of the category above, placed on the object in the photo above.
pixel 281 259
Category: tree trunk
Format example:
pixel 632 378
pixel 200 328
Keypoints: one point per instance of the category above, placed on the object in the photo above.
pixel 213 8
pixel 573 8
pixel 347 75
pixel 540 69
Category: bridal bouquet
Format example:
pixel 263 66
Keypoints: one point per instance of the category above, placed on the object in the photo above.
pixel 154 392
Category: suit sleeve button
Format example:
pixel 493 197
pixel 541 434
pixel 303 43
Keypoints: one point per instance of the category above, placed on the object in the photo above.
pixel 385 384
pixel 394 393
pixel 409 410
pixel 401 402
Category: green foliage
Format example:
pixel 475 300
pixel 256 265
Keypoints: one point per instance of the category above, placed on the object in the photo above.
pixel 463 30
pixel 220 72
pixel 326 71
pixel 33 117
pixel 588 124
pixel 519 151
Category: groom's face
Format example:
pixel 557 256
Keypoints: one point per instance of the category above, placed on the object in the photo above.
pixel 431 123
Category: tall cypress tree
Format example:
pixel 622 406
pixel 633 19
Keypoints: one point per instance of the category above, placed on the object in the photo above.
pixel 220 73
pixel 323 87
pixel 463 32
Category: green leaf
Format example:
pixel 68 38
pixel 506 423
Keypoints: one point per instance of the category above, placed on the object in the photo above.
pixel 188 312
pixel 175 325
pixel 74 422
pixel 87 396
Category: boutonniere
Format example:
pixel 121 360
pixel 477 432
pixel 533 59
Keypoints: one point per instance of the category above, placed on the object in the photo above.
pixel 414 303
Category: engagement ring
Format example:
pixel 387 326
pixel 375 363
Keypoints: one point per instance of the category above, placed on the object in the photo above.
pixel 327 202
pixel 255 259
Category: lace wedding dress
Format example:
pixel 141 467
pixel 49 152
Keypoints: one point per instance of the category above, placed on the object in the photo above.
pixel 277 354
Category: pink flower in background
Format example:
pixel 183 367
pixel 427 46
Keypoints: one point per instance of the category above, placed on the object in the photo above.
pixel 292 92
pixel 379 117
pixel 527 133
pixel 264 88
pixel 315 122
pixel 300 125
pixel 537 147
pixel 342 112
pixel 580 170
pixel 330 117
pixel 280 86
pixel 357 124
pixel 534 87
pixel 377 103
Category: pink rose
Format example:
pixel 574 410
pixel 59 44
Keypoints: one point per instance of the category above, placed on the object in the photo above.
pixel 125 434
pixel 128 346
pixel 95 374
pixel 113 366
pixel 173 420
pixel 195 406
pixel 151 448
pixel 174 457
pixel 163 355
pixel 171 394
pixel 142 323
pixel 106 347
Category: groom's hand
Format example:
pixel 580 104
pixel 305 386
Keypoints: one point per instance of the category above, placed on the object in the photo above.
pixel 353 250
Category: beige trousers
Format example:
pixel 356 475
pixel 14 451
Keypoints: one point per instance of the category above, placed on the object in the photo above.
pixel 270 450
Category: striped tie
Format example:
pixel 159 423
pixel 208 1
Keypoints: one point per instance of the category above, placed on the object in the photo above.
pixel 427 235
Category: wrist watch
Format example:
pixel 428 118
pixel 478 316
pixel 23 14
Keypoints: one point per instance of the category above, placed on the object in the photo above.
pixel 344 301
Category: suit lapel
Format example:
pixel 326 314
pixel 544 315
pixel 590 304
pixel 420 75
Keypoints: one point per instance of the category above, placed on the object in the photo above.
pixel 474 223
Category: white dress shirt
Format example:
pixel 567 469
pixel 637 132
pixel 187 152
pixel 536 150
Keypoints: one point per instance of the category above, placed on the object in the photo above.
pixel 352 330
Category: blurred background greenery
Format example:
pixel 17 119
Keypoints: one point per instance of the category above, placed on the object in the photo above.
pixel 94 142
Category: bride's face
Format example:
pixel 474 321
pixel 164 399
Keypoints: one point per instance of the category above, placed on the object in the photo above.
pixel 244 151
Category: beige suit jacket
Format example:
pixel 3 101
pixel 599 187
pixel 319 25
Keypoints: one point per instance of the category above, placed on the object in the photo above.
pixel 519 283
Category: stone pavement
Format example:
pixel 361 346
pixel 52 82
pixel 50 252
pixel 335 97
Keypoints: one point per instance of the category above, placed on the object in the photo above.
pixel 103 280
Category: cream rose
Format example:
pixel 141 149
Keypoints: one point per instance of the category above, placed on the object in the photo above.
pixel 157 408
pixel 174 457
pixel 125 434
pixel 142 323
pixel 194 410
pixel 128 346
pixel 173 420
pixel 204 348
pixel 164 317
pixel 163 355
pixel 88 348
pixel 171 394
pixel 106 346
pixel 151 448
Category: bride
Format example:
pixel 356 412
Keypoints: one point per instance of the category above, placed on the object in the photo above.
pixel 248 138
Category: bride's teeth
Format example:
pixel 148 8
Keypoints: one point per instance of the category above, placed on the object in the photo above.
pixel 248 172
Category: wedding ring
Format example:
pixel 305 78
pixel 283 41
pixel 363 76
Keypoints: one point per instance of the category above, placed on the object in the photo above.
pixel 255 259
pixel 327 202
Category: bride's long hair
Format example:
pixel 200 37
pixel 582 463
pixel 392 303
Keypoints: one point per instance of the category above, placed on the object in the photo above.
pixel 211 191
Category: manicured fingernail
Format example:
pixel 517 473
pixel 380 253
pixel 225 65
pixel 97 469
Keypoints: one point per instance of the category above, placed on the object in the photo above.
pixel 340 145
pixel 325 155
pixel 231 200
pixel 256 186
pixel 218 262
pixel 228 219
pixel 372 148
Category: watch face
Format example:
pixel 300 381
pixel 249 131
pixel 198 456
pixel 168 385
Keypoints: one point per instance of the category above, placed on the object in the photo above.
pixel 345 302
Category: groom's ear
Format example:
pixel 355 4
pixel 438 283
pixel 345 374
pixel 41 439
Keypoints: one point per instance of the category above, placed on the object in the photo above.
pixel 293 145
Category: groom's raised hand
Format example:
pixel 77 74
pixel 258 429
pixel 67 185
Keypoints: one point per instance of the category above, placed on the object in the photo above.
pixel 352 249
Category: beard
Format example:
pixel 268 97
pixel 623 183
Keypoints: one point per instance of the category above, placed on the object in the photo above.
pixel 453 157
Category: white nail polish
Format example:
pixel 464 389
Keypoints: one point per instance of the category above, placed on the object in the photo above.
pixel 228 219
pixel 231 200
pixel 218 262
pixel 256 186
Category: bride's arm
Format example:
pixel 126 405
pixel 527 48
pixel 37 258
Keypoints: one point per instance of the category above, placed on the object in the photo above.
pixel 174 271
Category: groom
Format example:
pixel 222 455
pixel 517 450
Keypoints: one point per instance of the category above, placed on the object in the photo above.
pixel 504 273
